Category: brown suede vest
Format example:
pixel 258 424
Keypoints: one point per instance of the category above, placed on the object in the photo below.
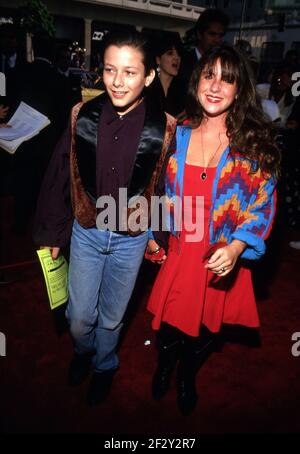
pixel 84 208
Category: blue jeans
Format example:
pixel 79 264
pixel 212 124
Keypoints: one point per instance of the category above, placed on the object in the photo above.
pixel 102 273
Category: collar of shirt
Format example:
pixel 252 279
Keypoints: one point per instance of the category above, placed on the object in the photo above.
pixel 198 53
pixel 64 73
pixel 10 60
pixel 111 115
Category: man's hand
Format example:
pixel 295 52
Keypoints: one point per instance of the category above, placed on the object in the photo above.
pixel 54 251
pixel 292 124
pixel 3 111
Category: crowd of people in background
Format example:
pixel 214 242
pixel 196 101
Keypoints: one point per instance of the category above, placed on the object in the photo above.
pixel 168 78
pixel 53 83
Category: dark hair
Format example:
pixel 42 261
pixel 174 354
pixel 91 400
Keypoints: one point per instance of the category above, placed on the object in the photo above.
pixel 43 46
pixel 244 47
pixel 209 16
pixel 250 132
pixel 275 92
pixel 132 39
pixel 291 53
pixel 61 49
pixel 8 29
pixel 165 42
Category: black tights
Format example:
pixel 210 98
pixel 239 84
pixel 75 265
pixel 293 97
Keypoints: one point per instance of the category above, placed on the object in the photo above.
pixel 168 335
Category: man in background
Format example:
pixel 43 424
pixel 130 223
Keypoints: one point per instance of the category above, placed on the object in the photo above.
pixel 209 30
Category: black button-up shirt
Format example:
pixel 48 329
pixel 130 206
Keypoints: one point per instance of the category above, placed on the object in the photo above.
pixel 119 140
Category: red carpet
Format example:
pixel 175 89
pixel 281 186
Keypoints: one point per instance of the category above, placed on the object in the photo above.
pixel 244 387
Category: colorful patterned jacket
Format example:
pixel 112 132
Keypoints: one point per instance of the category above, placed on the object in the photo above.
pixel 243 203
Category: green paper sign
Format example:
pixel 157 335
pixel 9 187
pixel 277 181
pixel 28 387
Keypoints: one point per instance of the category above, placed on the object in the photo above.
pixel 56 277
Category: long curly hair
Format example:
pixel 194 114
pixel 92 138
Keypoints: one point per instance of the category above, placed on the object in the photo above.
pixel 250 132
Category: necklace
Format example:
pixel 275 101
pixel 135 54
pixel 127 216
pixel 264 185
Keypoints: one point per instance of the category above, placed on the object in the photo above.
pixel 203 175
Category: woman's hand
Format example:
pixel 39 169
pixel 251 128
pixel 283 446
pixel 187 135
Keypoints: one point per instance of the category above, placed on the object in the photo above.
pixel 152 249
pixel 54 251
pixel 224 259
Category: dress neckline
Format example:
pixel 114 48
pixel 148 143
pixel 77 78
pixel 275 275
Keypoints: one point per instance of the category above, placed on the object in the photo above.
pixel 199 167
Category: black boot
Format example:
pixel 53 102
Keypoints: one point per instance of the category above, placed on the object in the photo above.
pixel 169 344
pixel 79 369
pixel 195 351
pixel 100 386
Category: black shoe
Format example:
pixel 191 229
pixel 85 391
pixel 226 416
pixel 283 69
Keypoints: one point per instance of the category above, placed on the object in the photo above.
pixel 195 352
pixel 99 387
pixel 186 394
pixel 79 369
pixel 167 359
pixel 161 381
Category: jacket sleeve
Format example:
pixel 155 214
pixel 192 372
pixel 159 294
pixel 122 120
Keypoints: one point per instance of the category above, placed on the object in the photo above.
pixel 53 219
pixel 256 221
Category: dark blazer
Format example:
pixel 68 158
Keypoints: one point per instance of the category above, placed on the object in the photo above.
pixel 44 89
pixel 174 102
pixel 12 76
pixel 188 63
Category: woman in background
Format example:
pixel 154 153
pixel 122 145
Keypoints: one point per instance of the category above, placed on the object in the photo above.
pixel 168 88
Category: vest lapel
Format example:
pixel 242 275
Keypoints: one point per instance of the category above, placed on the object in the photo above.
pixel 87 143
pixel 148 151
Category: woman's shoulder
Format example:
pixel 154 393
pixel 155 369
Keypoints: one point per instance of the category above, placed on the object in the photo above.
pixel 183 129
pixel 183 133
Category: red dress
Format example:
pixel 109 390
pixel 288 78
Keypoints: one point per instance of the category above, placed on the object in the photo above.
pixel 186 294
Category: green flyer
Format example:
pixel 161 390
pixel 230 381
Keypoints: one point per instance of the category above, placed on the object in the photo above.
pixel 56 277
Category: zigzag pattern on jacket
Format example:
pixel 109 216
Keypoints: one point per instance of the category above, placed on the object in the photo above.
pixel 243 203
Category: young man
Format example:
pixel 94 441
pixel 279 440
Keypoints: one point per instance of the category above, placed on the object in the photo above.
pixel 116 141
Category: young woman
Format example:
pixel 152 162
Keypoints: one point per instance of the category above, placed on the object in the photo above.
pixel 115 141
pixel 226 155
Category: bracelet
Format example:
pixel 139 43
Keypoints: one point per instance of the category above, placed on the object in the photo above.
pixel 155 251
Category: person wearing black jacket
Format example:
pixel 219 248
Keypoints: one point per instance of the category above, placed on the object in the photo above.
pixel 168 88
pixel 117 141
